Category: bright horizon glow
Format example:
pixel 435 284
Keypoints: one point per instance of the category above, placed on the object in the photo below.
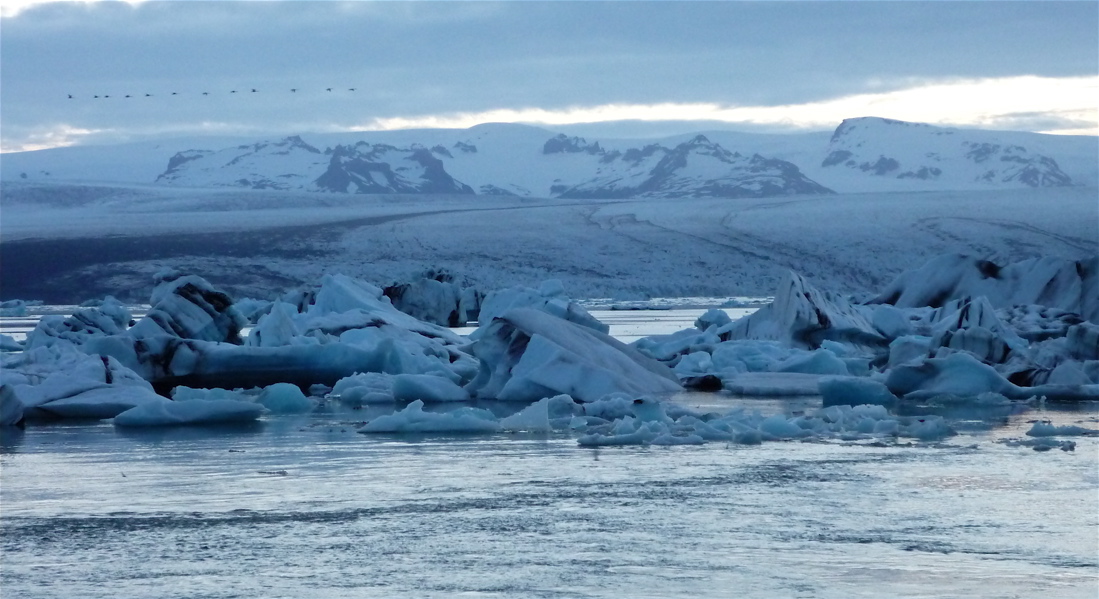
pixel 1000 103
pixel 972 103
pixel 11 8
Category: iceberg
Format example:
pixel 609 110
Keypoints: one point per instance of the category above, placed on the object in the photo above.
pixel 804 317
pixel 59 381
pixel 284 398
pixel 853 391
pixel 436 298
pixel 426 387
pixel 956 374
pixel 9 344
pixel 110 317
pixel 11 409
pixel 1052 282
pixel 527 354
pixel 549 298
pixel 99 403
pixel 364 388
pixel 533 418
pixel 191 337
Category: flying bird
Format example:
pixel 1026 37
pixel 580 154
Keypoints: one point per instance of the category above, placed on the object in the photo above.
pixel 329 89
pixel 206 93
pixel 148 95
pixel 233 92
pixel 173 93
pixel 350 89
pixel 253 91
pixel 293 89
pixel 70 96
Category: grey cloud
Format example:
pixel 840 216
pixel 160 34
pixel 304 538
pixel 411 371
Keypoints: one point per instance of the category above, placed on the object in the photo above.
pixel 429 57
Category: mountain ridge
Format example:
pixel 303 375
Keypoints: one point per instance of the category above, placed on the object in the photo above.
pixel 861 154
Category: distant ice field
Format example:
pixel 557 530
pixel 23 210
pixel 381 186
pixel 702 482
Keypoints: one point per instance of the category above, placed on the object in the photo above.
pixel 88 240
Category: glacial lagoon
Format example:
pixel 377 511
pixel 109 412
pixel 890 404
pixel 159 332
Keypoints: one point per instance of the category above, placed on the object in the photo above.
pixel 303 506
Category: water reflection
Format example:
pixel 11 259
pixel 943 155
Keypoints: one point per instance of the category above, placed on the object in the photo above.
pixel 11 438
pixel 156 435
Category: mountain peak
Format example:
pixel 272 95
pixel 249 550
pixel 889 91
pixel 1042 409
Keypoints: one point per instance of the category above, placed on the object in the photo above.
pixel 563 144
pixel 959 158
pixel 864 123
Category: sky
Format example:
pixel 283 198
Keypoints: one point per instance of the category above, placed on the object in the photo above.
pixel 633 68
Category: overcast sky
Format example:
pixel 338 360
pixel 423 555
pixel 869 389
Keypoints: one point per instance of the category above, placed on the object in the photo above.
pixel 761 66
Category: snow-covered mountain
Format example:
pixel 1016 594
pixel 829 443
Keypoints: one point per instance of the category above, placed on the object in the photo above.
pixel 695 168
pixel 876 147
pixel 862 155
pixel 283 164
pixel 571 167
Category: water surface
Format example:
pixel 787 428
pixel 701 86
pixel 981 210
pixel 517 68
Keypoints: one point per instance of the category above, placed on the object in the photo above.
pixel 303 506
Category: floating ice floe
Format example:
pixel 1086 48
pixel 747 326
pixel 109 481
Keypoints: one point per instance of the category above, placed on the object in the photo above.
pixel 374 387
pixel 649 426
pixel 1045 429
pixel 413 419
pixel 280 398
pixel 1041 444
pixel 199 411
pixel 620 420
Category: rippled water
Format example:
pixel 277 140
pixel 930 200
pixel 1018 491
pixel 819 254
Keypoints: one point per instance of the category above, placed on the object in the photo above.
pixel 302 506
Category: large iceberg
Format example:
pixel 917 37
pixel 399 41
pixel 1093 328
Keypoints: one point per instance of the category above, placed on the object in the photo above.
pixel 527 354
pixel 436 298
pixel 804 316
pixel 1052 282
pixel 549 298
pixel 61 382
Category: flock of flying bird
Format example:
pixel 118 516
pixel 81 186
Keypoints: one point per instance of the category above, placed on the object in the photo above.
pixel 251 90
